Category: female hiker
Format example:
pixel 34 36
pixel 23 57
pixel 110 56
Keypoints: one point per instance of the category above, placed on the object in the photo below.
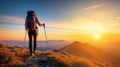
pixel 31 23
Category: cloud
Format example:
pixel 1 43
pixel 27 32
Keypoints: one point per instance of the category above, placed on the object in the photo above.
pixel 12 19
pixel 94 6
pixel 12 23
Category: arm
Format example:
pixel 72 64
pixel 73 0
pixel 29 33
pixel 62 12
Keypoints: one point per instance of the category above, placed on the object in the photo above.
pixel 37 21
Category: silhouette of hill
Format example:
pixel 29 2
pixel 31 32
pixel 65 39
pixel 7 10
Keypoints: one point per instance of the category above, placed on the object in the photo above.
pixel 14 56
pixel 93 53
pixel 84 50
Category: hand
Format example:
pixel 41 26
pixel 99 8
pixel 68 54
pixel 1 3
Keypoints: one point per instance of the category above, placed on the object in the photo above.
pixel 43 24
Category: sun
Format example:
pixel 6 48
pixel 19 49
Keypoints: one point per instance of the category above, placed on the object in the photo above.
pixel 96 36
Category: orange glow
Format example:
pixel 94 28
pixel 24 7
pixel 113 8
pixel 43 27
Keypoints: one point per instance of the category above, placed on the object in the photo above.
pixel 11 35
pixel 71 36
pixel 96 36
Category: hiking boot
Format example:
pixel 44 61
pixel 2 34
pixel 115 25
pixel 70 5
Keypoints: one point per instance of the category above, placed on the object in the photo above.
pixel 30 54
pixel 33 52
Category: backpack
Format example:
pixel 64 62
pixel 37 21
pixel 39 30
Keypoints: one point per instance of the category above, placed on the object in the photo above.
pixel 30 20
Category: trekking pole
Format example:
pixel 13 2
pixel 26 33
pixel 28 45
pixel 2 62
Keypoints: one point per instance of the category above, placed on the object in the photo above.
pixel 25 35
pixel 45 34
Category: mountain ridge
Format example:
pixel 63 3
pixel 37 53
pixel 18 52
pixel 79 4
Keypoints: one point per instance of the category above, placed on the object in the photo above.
pixel 19 57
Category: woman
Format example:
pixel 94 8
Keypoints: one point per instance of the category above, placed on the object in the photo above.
pixel 31 26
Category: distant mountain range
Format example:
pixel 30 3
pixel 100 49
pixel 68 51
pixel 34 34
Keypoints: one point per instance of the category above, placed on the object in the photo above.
pixel 41 45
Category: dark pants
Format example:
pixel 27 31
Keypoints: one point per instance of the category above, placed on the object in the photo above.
pixel 32 35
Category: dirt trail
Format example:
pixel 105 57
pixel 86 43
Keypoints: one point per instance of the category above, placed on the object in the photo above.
pixel 38 60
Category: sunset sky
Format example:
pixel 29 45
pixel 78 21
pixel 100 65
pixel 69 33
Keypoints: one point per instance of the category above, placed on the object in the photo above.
pixel 82 20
